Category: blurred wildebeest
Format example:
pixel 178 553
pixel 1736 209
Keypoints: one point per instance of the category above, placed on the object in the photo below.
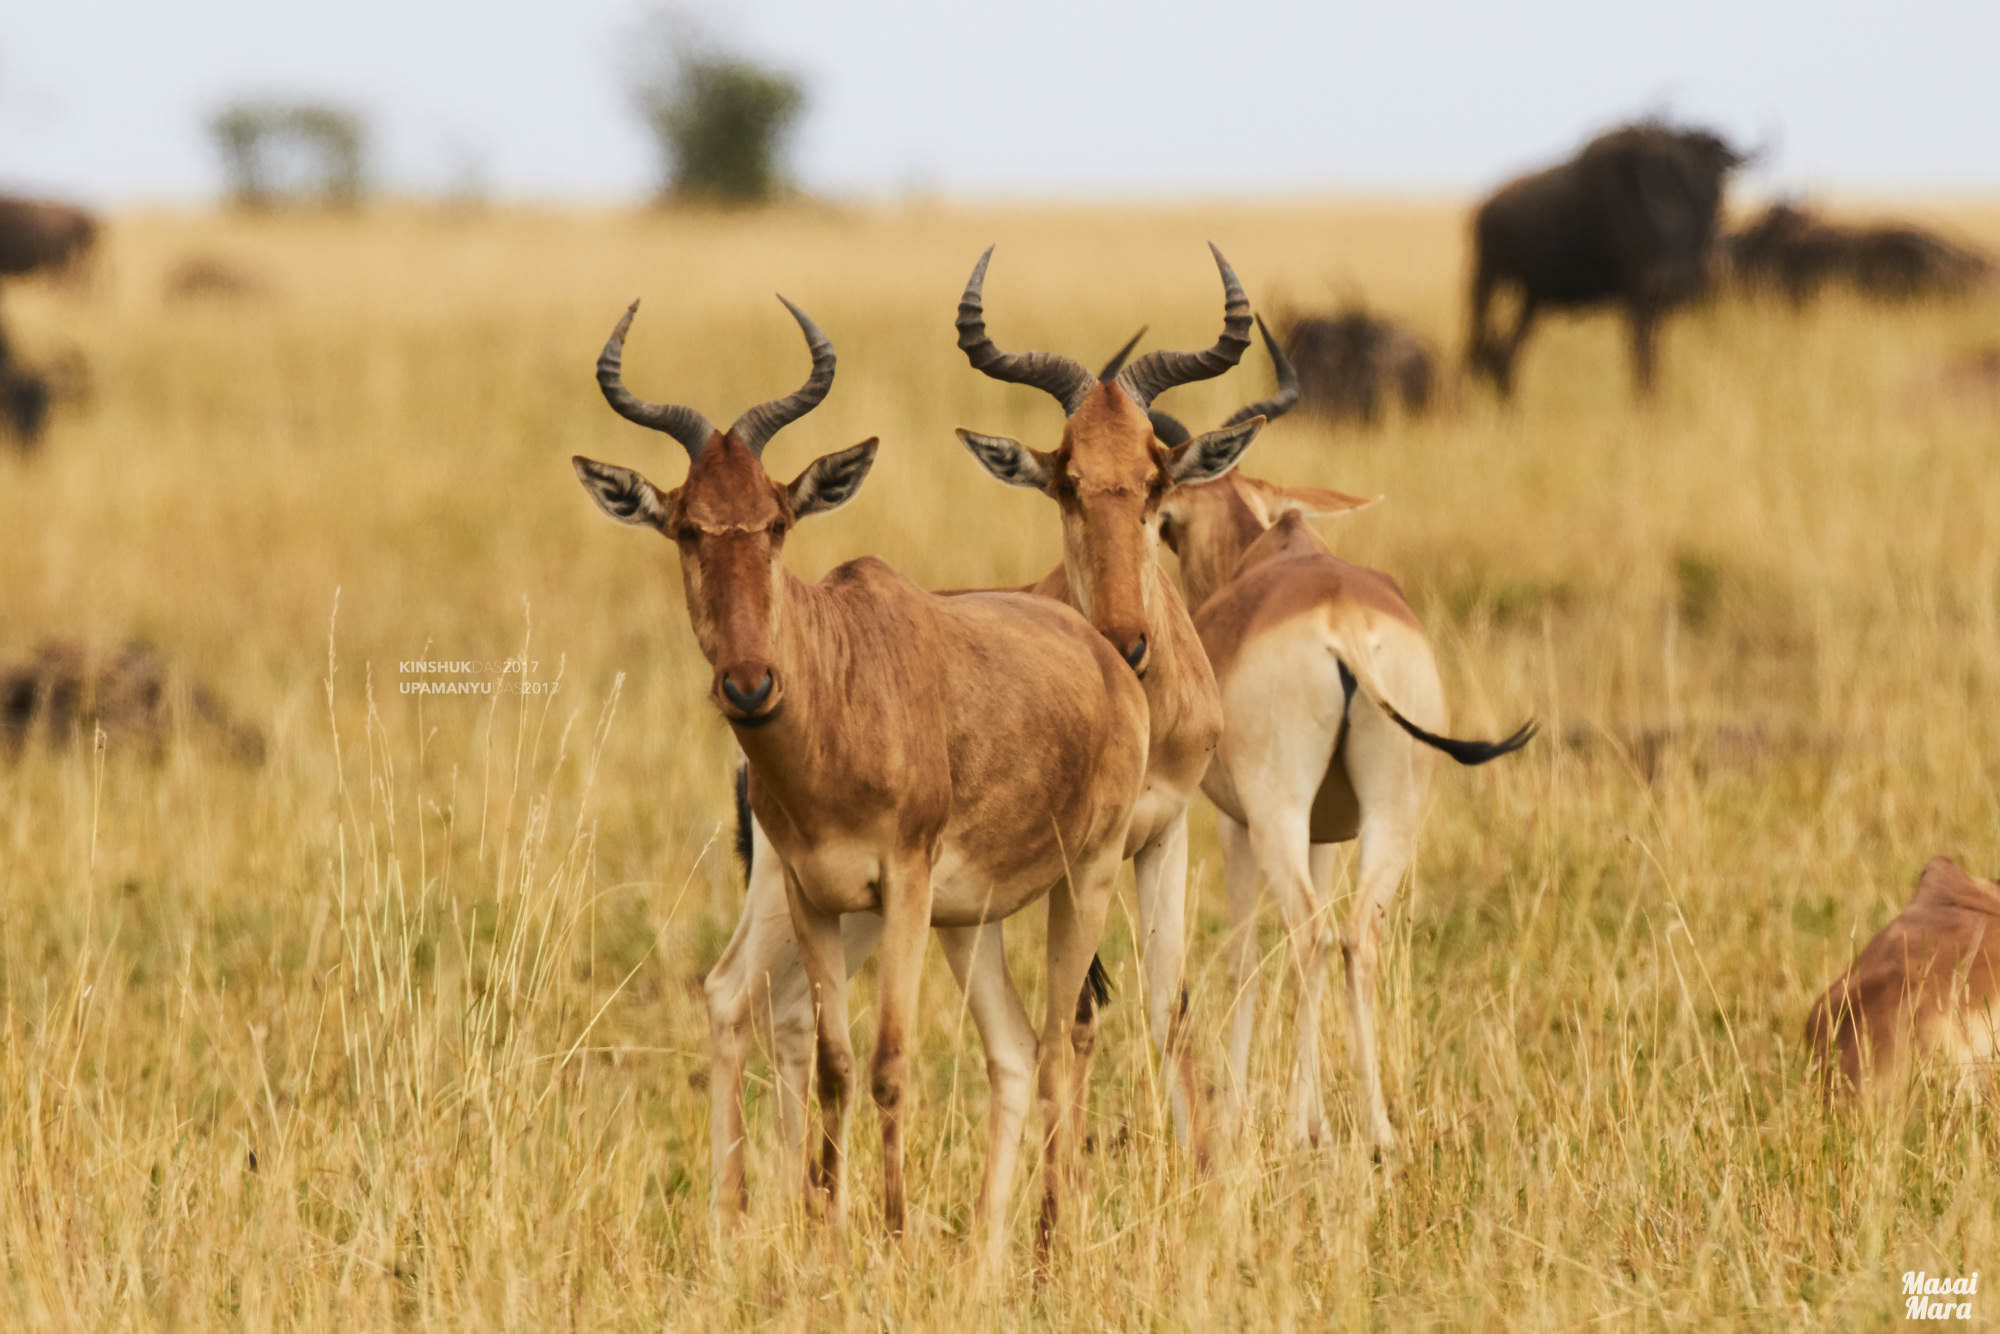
pixel 63 693
pixel 1798 252
pixel 210 277
pixel 1350 361
pixel 1927 982
pixel 1630 221
pixel 40 234
pixel 28 393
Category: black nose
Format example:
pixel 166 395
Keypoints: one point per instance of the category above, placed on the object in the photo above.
pixel 1137 653
pixel 754 700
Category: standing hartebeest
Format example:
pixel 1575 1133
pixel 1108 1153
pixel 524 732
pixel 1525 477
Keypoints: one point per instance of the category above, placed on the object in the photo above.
pixel 939 761
pixel 1109 476
pixel 1328 685
pixel 1927 982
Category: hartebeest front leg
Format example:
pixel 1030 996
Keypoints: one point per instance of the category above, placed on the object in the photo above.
pixel 1161 867
pixel 906 927
pixel 792 1030
pixel 826 973
pixel 978 958
pixel 1076 923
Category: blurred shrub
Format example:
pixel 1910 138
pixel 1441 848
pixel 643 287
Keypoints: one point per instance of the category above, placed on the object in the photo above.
pixel 291 153
pixel 720 120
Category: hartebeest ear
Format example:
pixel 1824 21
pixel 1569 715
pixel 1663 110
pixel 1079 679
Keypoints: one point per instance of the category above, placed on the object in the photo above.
pixel 831 480
pixel 1207 457
pixel 622 493
pixel 1312 502
pixel 1009 460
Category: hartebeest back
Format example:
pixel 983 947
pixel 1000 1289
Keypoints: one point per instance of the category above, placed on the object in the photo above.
pixel 1927 983
pixel 1331 706
pixel 1108 476
pixel 934 760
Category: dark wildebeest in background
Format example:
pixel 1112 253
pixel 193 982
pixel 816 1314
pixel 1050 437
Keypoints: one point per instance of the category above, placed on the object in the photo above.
pixel 40 235
pixel 1351 361
pixel 27 392
pixel 64 694
pixel 1929 982
pixel 1799 252
pixel 1629 221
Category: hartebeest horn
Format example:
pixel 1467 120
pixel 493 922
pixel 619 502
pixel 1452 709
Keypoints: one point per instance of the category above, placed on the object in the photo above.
pixel 1156 372
pixel 1117 362
pixel 1170 431
pixel 1287 397
pixel 683 424
pixel 1067 380
pixel 756 427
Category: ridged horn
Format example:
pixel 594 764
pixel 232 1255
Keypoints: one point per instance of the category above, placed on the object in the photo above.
pixel 1168 428
pixel 683 424
pixel 1066 380
pixel 756 426
pixel 1156 372
pixel 1287 397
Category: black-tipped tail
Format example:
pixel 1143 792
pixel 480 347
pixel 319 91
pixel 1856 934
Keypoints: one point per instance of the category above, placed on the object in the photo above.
pixel 1096 991
pixel 1469 752
pixel 745 845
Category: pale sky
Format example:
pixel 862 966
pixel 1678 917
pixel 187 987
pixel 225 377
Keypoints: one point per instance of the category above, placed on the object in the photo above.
pixel 106 99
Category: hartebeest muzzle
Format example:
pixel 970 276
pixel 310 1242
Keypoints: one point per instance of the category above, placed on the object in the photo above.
pixel 748 694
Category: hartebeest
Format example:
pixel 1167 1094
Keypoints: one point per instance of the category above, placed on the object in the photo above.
pixel 1928 982
pixel 935 760
pixel 1328 687
pixel 1109 476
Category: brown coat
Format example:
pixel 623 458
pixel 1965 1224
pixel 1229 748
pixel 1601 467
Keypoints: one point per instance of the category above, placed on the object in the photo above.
pixel 1927 982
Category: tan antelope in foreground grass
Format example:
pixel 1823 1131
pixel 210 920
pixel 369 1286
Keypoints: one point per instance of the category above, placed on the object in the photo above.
pixel 1331 706
pixel 1927 983
pixel 1109 476
pixel 939 761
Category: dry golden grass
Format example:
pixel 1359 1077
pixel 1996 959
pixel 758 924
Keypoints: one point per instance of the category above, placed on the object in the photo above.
pixel 402 1028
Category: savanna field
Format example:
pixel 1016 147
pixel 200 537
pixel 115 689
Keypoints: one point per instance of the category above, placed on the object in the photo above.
pixel 403 1026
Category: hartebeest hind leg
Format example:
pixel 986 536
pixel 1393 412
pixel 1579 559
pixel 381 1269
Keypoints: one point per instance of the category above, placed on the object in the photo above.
pixel 1389 776
pixel 978 959
pixel 1161 868
pixel 1239 878
pixel 1280 842
pixel 1076 921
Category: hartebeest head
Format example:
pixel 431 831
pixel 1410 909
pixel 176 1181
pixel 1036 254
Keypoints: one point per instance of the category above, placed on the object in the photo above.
pixel 728 518
pixel 1210 526
pixel 1110 472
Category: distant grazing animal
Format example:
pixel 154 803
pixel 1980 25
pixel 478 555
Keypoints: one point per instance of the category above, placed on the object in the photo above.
pixel 1331 707
pixel 1629 221
pixel 1800 253
pixel 39 235
pixel 1351 362
pixel 937 761
pixel 64 694
pixel 1927 983
pixel 28 393
pixel 209 277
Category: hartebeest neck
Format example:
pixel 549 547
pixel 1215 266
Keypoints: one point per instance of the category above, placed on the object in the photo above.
pixel 1212 551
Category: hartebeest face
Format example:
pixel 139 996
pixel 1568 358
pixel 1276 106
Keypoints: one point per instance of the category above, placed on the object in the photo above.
pixel 1111 472
pixel 1109 478
pixel 728 519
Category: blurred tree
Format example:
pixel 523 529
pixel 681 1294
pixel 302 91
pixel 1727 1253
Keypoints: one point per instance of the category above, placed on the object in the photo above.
pixel 720 119
pixel 291 152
